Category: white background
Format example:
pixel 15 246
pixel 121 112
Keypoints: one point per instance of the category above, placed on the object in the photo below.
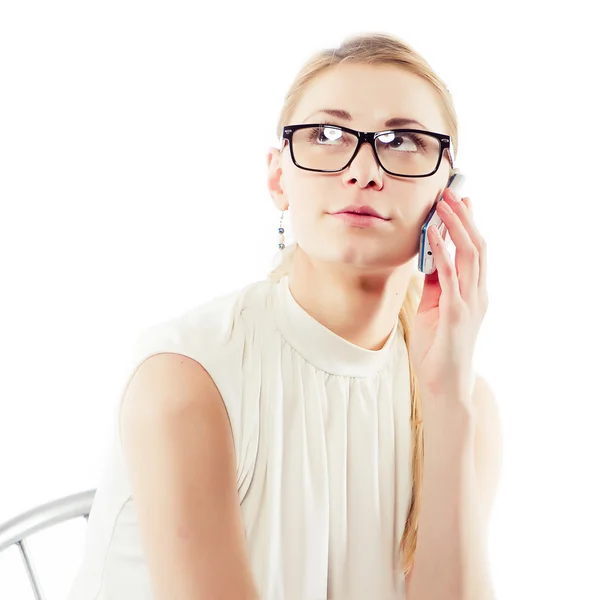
pixel 129 196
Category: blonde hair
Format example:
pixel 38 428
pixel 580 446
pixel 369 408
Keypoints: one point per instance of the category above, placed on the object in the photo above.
pixel 382 49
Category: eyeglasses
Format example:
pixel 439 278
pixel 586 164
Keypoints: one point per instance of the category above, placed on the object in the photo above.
pixel 328 148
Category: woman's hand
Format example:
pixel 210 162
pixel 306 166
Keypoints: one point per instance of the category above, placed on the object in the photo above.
pixel 452 307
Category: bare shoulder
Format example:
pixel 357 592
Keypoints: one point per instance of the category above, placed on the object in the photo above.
pixel 167 385
pixel 180 456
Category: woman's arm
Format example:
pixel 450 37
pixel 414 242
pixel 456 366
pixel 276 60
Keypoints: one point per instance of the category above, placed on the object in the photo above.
pixel 180 455
pixel 459 477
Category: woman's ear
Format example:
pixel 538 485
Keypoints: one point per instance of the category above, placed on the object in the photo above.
pixel 274 174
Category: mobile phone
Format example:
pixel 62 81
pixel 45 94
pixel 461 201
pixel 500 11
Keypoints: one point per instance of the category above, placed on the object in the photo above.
pixel 426 262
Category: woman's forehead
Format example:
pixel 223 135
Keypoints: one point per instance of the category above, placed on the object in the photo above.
pixel 370 94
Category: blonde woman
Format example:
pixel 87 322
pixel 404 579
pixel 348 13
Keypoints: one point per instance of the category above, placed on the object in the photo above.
pixel 320 434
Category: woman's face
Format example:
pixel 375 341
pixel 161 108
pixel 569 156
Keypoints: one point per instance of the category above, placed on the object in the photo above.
pixel 371 95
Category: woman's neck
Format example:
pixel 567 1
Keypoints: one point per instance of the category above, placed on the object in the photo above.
pixel 361 307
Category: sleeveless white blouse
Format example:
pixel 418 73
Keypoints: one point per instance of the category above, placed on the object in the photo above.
pixel 322 437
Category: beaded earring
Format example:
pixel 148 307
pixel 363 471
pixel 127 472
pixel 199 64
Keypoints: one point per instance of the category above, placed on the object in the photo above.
pixel 281 232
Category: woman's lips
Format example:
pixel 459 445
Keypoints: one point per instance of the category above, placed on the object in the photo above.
pixel 360 220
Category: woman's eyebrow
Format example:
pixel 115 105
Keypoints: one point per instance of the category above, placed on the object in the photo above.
pixel 345 115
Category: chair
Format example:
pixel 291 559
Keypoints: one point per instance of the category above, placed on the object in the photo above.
pixel 17 529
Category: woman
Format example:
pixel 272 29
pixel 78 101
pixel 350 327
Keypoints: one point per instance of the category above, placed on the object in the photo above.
pixel 271 442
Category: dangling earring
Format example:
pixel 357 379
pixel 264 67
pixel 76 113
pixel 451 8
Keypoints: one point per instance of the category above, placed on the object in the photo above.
pixel 281 232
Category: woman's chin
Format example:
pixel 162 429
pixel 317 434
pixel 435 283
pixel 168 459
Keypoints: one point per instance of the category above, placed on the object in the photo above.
pixel 369 260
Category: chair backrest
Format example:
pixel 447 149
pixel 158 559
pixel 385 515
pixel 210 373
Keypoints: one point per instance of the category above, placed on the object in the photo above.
pixel 19 528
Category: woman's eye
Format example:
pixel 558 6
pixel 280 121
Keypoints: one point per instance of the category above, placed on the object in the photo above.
pixel 330 134
pixel 387 138
pixel 399 141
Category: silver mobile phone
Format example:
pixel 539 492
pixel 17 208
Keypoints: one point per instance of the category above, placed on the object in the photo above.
pixel 426 262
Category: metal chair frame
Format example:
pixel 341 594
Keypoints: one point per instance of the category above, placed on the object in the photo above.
pixel 17 529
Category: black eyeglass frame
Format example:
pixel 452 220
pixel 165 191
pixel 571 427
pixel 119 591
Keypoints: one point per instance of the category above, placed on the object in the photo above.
pixel 369 137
